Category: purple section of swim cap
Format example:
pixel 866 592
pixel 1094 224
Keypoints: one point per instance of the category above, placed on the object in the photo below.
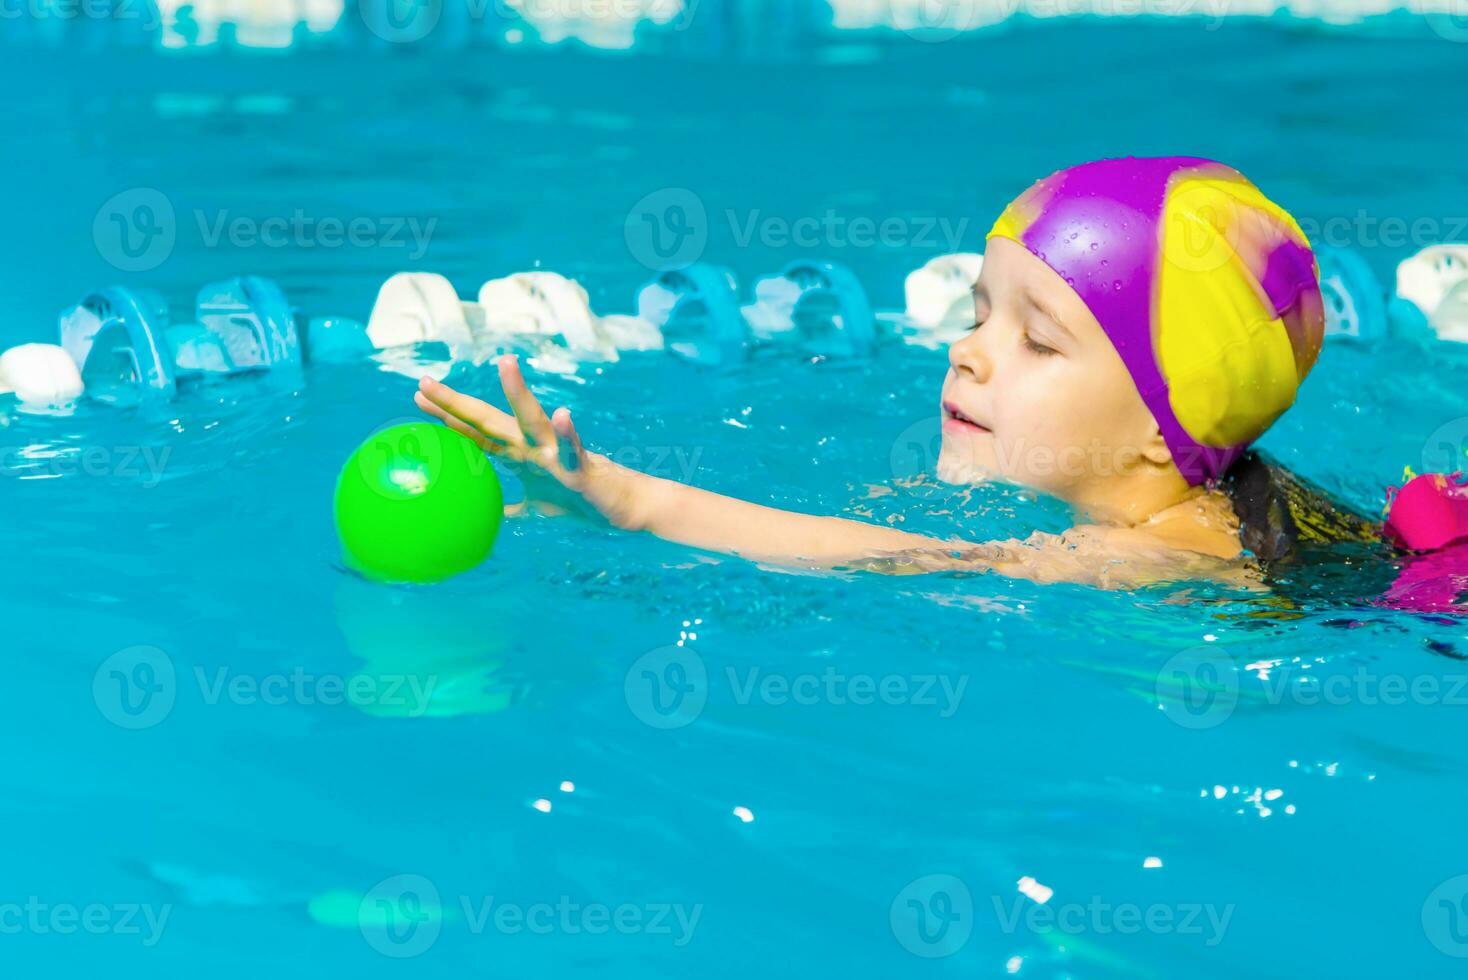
pixel 1289 271
pixel 1100 228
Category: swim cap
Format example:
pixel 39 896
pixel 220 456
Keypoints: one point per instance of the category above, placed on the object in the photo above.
pixel 1208 290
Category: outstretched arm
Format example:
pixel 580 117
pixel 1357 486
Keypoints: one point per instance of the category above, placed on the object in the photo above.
pixel 560 474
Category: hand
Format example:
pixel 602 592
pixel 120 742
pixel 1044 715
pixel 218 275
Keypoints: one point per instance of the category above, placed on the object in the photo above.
pixel 545 451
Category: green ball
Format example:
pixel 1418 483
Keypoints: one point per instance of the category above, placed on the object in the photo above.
pixel 417 503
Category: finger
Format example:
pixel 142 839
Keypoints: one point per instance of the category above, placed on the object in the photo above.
pixel 459 425
pixel 568 441
pixel 489 420
pixel 532 418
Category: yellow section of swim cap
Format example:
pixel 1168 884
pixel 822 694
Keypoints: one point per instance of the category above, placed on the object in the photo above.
pixel 1021 212
pixel 1228 362
pixel 1011 223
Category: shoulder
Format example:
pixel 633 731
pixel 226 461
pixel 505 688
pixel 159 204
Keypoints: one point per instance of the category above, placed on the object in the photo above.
pixel 1130 557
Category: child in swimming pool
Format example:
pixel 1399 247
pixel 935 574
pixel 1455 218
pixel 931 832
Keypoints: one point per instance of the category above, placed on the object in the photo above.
pixel 1138 322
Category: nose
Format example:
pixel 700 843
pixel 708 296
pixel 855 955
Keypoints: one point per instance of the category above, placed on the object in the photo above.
pixel 968 357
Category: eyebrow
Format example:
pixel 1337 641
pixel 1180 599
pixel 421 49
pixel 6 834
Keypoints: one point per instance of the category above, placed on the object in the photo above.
pixel 980 293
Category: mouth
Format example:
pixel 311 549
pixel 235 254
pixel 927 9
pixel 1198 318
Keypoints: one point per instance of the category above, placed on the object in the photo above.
pixel 954 420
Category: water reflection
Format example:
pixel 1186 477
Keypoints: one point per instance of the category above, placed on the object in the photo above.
pixel 426 653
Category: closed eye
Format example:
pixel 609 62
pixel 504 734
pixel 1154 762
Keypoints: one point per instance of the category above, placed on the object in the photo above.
pixel 1035 347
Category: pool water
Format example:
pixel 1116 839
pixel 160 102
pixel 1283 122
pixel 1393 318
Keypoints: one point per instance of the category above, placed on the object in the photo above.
pixel 602 755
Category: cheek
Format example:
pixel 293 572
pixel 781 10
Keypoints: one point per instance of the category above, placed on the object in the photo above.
pixel 1049 423
pixel 1041 405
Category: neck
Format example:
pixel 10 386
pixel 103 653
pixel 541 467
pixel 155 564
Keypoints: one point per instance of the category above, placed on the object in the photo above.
pixel 1133 498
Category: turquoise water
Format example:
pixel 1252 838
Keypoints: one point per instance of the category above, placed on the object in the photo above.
pixel 831 775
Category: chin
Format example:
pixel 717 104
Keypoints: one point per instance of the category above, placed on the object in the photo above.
pixel 963 465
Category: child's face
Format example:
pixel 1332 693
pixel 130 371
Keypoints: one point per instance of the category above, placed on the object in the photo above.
pixel 1036 394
